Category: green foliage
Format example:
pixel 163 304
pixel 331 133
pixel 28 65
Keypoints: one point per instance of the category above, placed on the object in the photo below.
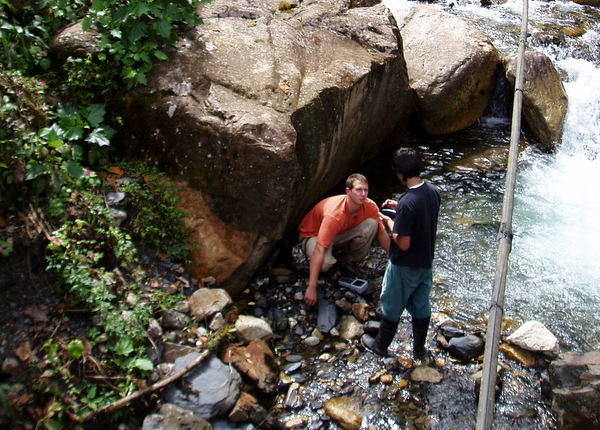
pixel 5 247
pixel 47 150
pixel 133 32
pixel 156 221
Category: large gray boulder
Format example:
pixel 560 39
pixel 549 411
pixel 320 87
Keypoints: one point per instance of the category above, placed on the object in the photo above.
pixel 210 390
pixel 451 65
pixel 260 111
pixel 573 385
pixel 545 100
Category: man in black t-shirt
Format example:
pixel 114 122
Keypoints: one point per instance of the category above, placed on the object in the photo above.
pixel 408 275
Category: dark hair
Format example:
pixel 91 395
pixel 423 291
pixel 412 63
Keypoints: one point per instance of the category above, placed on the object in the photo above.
pixel 355 177
pixel 407 162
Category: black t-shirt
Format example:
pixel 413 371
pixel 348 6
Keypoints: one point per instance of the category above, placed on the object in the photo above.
pixel 416 216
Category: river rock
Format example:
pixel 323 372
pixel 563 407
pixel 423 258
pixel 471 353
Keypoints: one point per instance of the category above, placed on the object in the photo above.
pixel 209 390
pixel 205 302
pixel 249 328
pixel 520 355
pixel 343 411
pixel 426 374
pixel 247 408
pixel 172 351
pixel 350 327
pixel 172 417
pixel 534 336
pixel 573 381
pixel 544 97
pixel 466 347
pixel 360 311
pixel 171 319
pixel 451 65
pixel 257 138
pixel 256 361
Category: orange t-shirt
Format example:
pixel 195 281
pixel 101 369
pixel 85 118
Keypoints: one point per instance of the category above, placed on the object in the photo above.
pixel 330 217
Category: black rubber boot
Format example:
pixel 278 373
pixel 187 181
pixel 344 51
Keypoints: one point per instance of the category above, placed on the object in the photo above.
pixel 385 335
pixel 420 327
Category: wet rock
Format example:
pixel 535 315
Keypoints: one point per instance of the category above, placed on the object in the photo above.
pixel 295 422
pixel 292 398
pixel 534 336
pixel 426 374
pixel 520 355
pixel 210 390
pixel 205 302
pixel 544 97
pixel 293 358
pixel 573 381
pixel 249 328
pixel 247 408
pixel 291 367
pixel 343 411
pixel 256 361
pixel 344 305
pixel 326 315
pixel 465 348
pixel 172 417
pixel 360 311
pixel 171 319
pixel 371 327
pixel 311 341
pixel 350 328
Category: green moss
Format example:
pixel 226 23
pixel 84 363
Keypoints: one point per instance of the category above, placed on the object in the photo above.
pixel 285 7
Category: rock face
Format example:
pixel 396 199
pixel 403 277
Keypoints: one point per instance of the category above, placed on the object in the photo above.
pixel 574 379
pixel 544 98
pixel 259 112
pixel 451 66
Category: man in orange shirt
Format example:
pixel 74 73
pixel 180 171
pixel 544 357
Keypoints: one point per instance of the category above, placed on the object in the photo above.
pixel 349 221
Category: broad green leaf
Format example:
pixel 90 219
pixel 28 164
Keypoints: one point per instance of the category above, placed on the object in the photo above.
pixel 74 169
pixel 137 31
pixel 124 346
pixel 75 348
pixel 55 143
pixel 95 114
pixel 163 28
pixel 160 55
pixel 138 9
pixel 98 5
pixel 142 364
pixel 33 170
pixel 87 23
pixel 98 136
pixel 73 132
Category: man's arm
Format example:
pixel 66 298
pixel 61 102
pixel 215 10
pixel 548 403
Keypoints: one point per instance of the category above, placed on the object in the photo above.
pixel 384 240
pixel 403 242
pixel 316 262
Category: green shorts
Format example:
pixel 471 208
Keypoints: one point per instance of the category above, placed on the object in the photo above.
pixel 405 288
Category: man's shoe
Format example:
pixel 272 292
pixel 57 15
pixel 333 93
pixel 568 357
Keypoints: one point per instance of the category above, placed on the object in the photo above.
pixel 370 343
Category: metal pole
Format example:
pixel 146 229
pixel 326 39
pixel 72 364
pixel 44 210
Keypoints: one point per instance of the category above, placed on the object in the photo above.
pixel 487 392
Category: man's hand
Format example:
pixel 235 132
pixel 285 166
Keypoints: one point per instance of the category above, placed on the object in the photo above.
pixel 310 296
pixel 389 203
